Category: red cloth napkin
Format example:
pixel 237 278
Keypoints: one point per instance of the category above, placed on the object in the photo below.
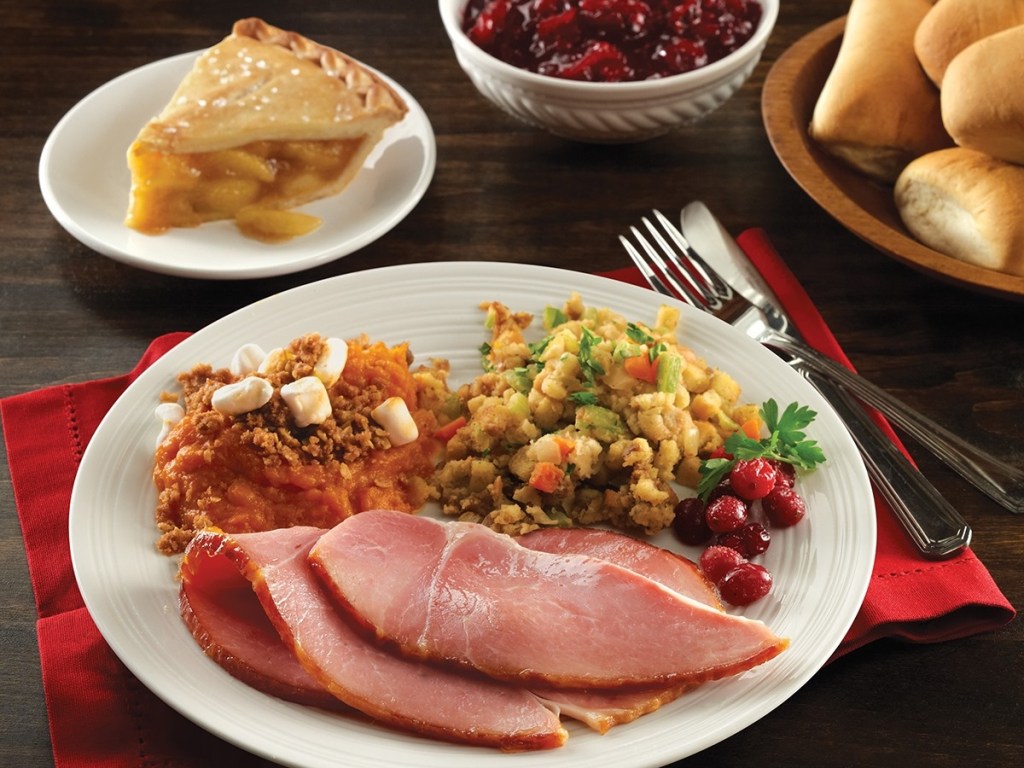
pixel 101 715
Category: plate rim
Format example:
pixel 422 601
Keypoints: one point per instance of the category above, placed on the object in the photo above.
pixel 797 156
pixel 416 121
pixel 561 281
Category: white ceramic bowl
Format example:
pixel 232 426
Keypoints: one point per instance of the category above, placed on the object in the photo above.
pixel 607 112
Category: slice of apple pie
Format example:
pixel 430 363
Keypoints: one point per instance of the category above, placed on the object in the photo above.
pixel 266 121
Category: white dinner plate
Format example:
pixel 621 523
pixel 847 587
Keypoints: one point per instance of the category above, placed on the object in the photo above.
pixel 821 566
pixel 84 178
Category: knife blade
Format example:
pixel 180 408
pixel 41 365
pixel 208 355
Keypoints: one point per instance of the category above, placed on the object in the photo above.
pixel 935 527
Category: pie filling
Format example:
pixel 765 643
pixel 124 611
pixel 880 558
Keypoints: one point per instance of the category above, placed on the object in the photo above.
pixel 250 184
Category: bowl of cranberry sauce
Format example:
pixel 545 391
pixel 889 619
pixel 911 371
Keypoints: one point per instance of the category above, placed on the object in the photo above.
pixel 608 70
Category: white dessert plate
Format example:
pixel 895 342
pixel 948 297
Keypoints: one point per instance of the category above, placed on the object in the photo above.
pixel 84 178
pixel 821 566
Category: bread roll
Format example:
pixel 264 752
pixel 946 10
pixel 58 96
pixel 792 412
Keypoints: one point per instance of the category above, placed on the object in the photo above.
pixel 983 96
pixel 878 110
pixel 952 25
pixel 967 205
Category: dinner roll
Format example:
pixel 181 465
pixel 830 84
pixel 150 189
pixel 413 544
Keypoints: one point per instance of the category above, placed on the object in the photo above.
pixel 952 25
pixel 983 96
pixel 878 110
pixel 966 204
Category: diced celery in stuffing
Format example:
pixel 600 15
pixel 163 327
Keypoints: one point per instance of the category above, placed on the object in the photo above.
pixel 601 423
pixel 519 379
pixel 519 405
pixel 553 317
pixel 670 371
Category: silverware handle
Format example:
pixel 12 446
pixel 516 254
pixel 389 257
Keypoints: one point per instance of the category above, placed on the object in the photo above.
pixel 932 523
pixel 1000 481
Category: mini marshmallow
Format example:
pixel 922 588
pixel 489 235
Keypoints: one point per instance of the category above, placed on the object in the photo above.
pixel 275 360
pixel 393 414
pixel 308 400
pixel 169 415
pixel 243 396
pixel 332 362
pixel 247 360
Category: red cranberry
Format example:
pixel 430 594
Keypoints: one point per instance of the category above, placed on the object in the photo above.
pixel 726 513
pixel 733 540
pixel 784 506
pixel 745 583
pixel 689 524
pixel 717 561
pixel 749 540
pixel 755 538
pixel 724 488
pixel 786 472
pixel 753 478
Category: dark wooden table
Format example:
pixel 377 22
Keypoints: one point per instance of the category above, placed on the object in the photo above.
pixel 506 192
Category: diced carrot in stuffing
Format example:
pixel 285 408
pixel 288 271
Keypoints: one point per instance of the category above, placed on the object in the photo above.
pixel 447 431
pixel 752 428
pixel 546 476
pixel 642 368
pixel 565 444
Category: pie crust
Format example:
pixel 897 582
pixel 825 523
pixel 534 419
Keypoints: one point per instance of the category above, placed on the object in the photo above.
pixel 266 121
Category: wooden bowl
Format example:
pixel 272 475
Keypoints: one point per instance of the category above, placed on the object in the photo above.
pixel 861 205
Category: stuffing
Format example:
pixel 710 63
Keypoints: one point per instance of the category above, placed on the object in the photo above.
pixel 591 424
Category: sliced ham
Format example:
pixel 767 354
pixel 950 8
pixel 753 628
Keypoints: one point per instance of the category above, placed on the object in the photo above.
pixel 601 710
pixel 674 571
pixel 224 615
pixel 403 693
pixel 462 594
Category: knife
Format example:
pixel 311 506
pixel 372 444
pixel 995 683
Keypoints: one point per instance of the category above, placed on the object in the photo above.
pixel 935 527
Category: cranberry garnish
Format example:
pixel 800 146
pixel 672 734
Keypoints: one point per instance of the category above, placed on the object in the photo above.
pixel 784 506
pixel 724 488
pixel 745 583
pixel 752 479
pixel 726 513
pixel 786 472
pixel 689 524
pixel 755 538
pixel 733 540
pixel 749 540
pixel 717 561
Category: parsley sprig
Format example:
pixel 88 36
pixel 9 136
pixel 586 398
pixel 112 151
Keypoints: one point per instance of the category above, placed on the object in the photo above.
pixel 786 442
pixel 589 365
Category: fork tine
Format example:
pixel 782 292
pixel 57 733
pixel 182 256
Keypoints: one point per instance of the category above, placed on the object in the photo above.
pixel 692 288
pixel 686 290
pixel 695 261
pixel 645 269
pixel 657 273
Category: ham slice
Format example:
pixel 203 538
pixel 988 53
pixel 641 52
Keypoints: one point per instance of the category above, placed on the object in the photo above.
pixel 405 694
pixel 462 594
pixel 674 571
pixel 602 710
pixel 224 615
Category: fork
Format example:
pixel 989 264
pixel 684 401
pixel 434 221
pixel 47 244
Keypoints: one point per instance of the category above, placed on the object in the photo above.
pixel 672 268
